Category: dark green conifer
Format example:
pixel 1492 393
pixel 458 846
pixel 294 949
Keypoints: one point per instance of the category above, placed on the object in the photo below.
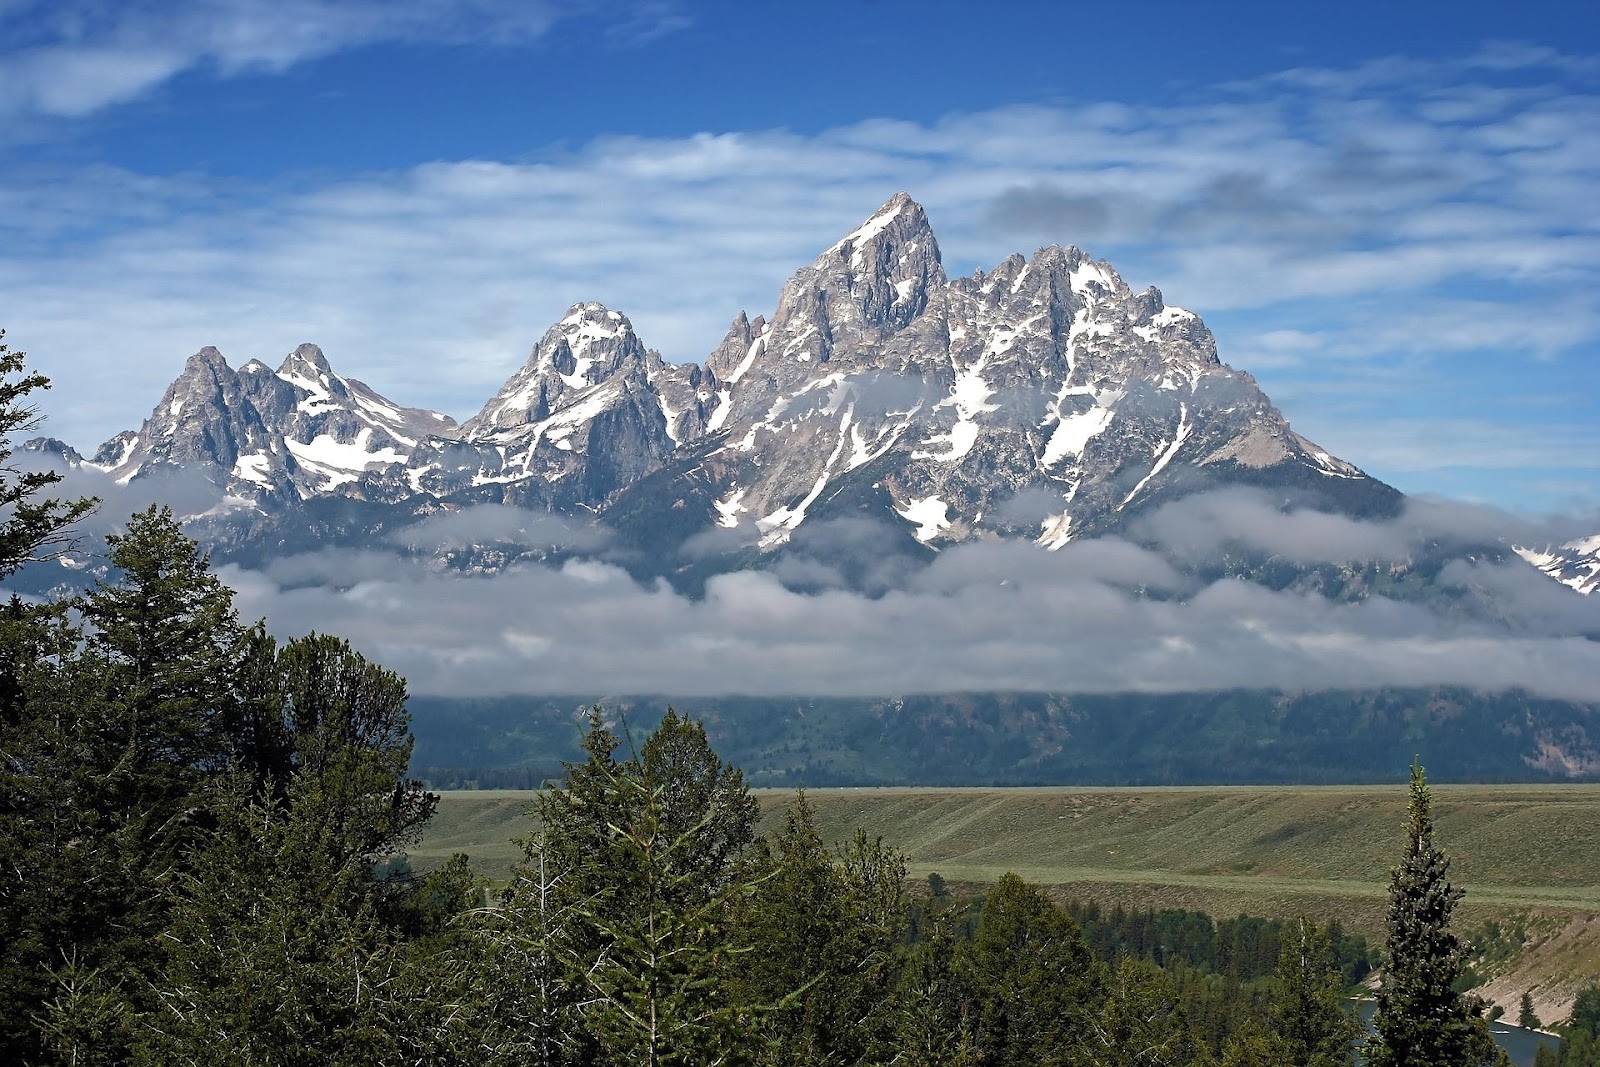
pixel 1585 1014
pixel 651 853
pixel 1421 1020
pixel 1034 982
pixel 1309 1013
pixel 1142 1022
pixel 32 526
pixel 933 1010
pixel 821 931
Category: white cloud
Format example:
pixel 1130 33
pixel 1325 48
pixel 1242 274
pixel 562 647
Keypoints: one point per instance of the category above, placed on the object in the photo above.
pixel 986 617
pixel 69 58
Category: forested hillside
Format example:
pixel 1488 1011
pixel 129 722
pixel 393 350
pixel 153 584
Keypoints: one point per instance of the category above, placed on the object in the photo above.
pixel 1225 737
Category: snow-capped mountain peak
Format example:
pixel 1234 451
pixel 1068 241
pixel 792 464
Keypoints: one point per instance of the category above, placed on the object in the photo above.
pixel 585 348
pixel 267 435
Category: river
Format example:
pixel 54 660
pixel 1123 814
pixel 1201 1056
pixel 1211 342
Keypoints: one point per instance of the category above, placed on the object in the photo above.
pixel 1520 1044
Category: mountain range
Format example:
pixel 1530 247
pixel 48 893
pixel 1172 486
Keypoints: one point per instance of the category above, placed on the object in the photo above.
pixel 1043 399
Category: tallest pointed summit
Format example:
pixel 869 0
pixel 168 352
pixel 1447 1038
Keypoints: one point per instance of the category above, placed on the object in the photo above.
pixel 893 257
pixel 871 283
pixel 900 224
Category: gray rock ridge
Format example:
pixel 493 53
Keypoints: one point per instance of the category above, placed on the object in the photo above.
pixel 63 453
pixel 590 411
pixel 1043 399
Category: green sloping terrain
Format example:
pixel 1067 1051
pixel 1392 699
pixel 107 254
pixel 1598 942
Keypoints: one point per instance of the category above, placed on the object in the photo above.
pixel 1512 846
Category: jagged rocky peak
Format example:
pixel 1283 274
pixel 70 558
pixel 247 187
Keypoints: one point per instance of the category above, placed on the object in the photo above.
pixel 292 433
pixel 307 368
pixel 878 386
pixel 115 449
pixel 51 446
pixel 726 359
pixel 871 283
pixel 588 346
pixel 204 422
pixel 881 385
pixel 328 403
pixel 591 411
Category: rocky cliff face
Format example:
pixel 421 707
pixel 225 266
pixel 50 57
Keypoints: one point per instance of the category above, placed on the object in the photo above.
pixel 1042 399
pixel 589 413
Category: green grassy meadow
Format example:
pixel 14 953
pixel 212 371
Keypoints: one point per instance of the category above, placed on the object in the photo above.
pixel 1528 856
pixel 1512 846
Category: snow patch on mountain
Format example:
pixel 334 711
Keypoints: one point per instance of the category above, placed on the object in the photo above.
pixel 1575 564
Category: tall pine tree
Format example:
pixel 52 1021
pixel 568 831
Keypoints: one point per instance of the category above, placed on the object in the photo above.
pixel 1421 1020
pixel 1035 982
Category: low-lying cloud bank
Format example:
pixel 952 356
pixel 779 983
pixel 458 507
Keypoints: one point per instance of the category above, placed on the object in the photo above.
pixel 843 612
pixel 1105 615
pixel 982 617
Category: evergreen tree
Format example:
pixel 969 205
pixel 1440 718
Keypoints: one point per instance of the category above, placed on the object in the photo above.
pixel 704 797
pixel 1254 1045
pixel 167 630
pixel 933 1021
pixel 348 729
pixel 1421 1020
pixel 1032 977
pixel 1585 1014
pixel 652 855
pixel 529 985
pixel 284 935
pixel 821 933
pixel 108 736
pixel 1309 1013
pixel 193 817
pixel 1142 1023
pixel 1526 1017
pixel 656 995
pixel 275 950
pixel 74 905
pixel 1580 1045
pixel 32 527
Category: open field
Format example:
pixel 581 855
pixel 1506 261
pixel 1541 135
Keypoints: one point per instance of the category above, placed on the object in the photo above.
pixel 1519 846
pixel 1527 855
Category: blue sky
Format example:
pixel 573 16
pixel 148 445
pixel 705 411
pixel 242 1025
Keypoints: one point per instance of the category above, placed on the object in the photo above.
pixel 1391 218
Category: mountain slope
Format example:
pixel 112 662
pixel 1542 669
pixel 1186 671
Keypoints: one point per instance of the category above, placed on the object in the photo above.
pixel 1575 564
pixel 590 412
pixel 1042 399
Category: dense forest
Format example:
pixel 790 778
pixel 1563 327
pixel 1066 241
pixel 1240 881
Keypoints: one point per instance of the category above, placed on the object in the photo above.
pixel 202 832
